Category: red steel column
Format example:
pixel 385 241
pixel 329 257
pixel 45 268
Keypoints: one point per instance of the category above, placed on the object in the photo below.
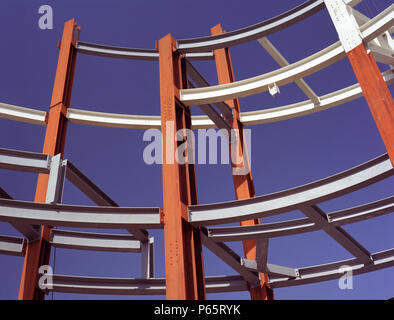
pixel 243 184
pixel 183 252
pixel 376 94
pixel 38 252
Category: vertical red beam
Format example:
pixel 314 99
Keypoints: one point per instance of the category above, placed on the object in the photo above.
pixel 183 252
pixel 38 252
pixel 376 94
pixel 243 184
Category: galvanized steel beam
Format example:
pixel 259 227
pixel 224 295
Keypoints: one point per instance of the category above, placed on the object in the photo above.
pixel 292 199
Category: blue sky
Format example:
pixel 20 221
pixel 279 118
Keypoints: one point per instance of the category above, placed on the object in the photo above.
pixel 284 154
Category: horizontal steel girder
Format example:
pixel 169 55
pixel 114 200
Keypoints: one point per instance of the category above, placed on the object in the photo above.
pixel 79 216
pixel 130 286
pixel 297 226
pixel 131 53
pixel 12 246
pixel 335 270
pixel 293 199
pixel 24 161
pixel 156 286
pixel 260 116
pixel 270 269
pixel 288 74
pixel 94 241
pixel 31 232
pixel 252 32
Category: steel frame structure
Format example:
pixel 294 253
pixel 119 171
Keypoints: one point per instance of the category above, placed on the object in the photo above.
pixel 364 41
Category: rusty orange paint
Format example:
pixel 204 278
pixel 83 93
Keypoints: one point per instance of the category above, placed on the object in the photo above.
pixel 38 252
pixel 376 94
pixel 243 184
pixel 183 251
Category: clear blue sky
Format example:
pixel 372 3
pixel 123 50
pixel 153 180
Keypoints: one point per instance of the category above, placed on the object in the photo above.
pixel 284 154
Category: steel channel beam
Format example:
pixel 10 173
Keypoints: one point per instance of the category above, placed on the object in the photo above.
pixel 249 118
pixel 94 241
pixel 302 108
pixel 261 83
pixel 12 246
pixel 288 74
pixel 254 32
pixel 131 53
pixel 292 199
pixel 31 232
pixel 79 216
pixel 297 226
pixel 371 30
pixel 264 230
pixel 24 161
pixel 74 284
pixel 11 112
pixel 127 286
pixel 230 258
pixel 362 212
pixel 271 269
pixel 334 270
pixel 197 48
pixel 337 233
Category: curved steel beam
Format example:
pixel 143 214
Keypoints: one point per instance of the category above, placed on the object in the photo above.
pixel 31 232
pixel 330 271
pixel 8 111
pixel 292 199
pixel 131 53
pixel 114 120
pixel 12 246
pixel 79 216
pixel 327 101
pixel 299 69
pixel 203 122
pixel 130 286
pixel 24 161
pixel 94 241
pixel 261 83
pixel 200 48
pixel 156 286
pixel 253 32
pixel 296 226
